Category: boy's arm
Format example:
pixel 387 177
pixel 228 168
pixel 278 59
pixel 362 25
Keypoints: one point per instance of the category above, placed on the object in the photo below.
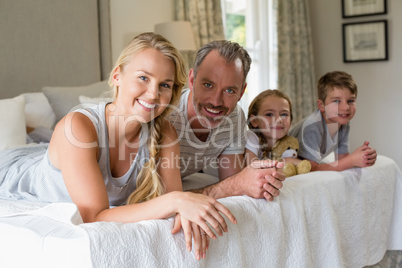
pixel 364 156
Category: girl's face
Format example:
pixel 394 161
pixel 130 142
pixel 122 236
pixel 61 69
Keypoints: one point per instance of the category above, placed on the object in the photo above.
pixel 273 118
pixel 145 85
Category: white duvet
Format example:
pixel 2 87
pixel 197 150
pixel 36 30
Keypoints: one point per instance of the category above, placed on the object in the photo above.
pixel 321 219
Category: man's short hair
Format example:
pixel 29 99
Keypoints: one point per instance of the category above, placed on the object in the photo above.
pixel 231 51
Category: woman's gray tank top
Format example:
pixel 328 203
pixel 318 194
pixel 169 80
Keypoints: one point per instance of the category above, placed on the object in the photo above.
pixel 31 176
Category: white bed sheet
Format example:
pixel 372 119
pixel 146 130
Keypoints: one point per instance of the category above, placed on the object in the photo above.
pixel 42 235
pixel 321 219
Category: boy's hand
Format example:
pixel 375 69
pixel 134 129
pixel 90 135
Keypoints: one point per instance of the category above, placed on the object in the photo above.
pixel 364 156
pixel 370 155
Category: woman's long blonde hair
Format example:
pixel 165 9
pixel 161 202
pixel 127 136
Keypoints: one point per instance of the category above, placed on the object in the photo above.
pixel 254 108
pixel 149 183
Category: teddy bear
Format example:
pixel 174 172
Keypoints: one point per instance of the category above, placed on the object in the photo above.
pixel 288 147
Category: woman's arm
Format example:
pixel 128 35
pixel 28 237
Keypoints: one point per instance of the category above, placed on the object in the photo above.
pixel 74 150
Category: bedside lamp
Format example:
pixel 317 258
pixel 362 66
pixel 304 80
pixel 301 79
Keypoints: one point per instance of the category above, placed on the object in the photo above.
pixel 179 33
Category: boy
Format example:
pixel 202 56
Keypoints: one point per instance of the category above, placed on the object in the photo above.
pixel 327 129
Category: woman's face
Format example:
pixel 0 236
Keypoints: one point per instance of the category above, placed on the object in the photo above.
pixel 273 118
pixel 145 86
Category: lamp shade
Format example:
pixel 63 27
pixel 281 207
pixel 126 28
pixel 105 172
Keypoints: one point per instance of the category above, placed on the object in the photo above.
pixel 179 33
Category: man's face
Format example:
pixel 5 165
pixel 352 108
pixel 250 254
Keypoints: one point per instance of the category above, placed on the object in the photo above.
pixel 217 88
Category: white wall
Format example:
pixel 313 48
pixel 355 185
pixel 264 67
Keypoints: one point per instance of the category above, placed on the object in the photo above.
pixel 379 110
pixel 131 17
pixel 378 118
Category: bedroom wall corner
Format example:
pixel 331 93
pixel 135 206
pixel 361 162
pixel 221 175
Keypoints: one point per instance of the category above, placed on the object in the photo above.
pixel 378 104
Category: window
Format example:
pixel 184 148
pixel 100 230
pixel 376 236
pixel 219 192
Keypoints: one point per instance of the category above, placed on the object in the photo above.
pixel 252 23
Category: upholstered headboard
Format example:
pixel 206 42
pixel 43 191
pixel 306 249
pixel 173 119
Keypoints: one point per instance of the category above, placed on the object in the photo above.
pixel 52 43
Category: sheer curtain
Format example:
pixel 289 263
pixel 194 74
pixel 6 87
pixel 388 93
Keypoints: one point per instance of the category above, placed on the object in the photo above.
pixel 279 42
pixel 278 39
pixel 205 17
pixel 295 56
pixel 261 43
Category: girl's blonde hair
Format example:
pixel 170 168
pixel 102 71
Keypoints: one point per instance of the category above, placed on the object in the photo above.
pixel 255 107
pixel 149 183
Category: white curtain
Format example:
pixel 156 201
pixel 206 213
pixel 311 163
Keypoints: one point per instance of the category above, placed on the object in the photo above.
pixel 279 42
pixel 261 44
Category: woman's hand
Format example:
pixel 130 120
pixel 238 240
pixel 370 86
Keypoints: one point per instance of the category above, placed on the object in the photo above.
pixel 192 231
pixel 199 215
pixel 204 211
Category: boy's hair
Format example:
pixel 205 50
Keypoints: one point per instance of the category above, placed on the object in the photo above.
pixel 149 183
pixel 231 51
pixel 334 79
pixel 255 107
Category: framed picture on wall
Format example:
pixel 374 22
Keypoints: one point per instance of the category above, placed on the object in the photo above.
pixel 365 41
pixel 358 8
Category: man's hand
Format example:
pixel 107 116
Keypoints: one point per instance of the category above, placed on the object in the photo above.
pixel 261 179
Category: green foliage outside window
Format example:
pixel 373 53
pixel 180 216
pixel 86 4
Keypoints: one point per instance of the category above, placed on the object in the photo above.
pixel 236 28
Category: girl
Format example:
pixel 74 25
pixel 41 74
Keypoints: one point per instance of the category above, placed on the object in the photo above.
pixel 269 119
pixel 98 156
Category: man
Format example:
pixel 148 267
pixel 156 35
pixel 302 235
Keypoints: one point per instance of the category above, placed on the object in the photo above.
pixel 211 126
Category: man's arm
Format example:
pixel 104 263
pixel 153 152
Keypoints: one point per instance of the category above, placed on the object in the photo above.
pixel 261 179
pixel 230 165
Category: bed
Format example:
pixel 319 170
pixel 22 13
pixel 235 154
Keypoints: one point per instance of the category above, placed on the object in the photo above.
pixel 320 219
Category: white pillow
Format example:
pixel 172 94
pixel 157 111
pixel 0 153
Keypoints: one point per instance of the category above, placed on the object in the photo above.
pixel 38 112
pixel 96 100
pixel 12 120
pixel 64 99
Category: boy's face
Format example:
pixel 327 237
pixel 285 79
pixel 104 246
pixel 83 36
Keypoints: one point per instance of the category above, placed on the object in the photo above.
pixel 339 106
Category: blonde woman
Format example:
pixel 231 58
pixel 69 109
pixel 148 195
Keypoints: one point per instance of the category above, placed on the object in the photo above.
pixel 116 160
